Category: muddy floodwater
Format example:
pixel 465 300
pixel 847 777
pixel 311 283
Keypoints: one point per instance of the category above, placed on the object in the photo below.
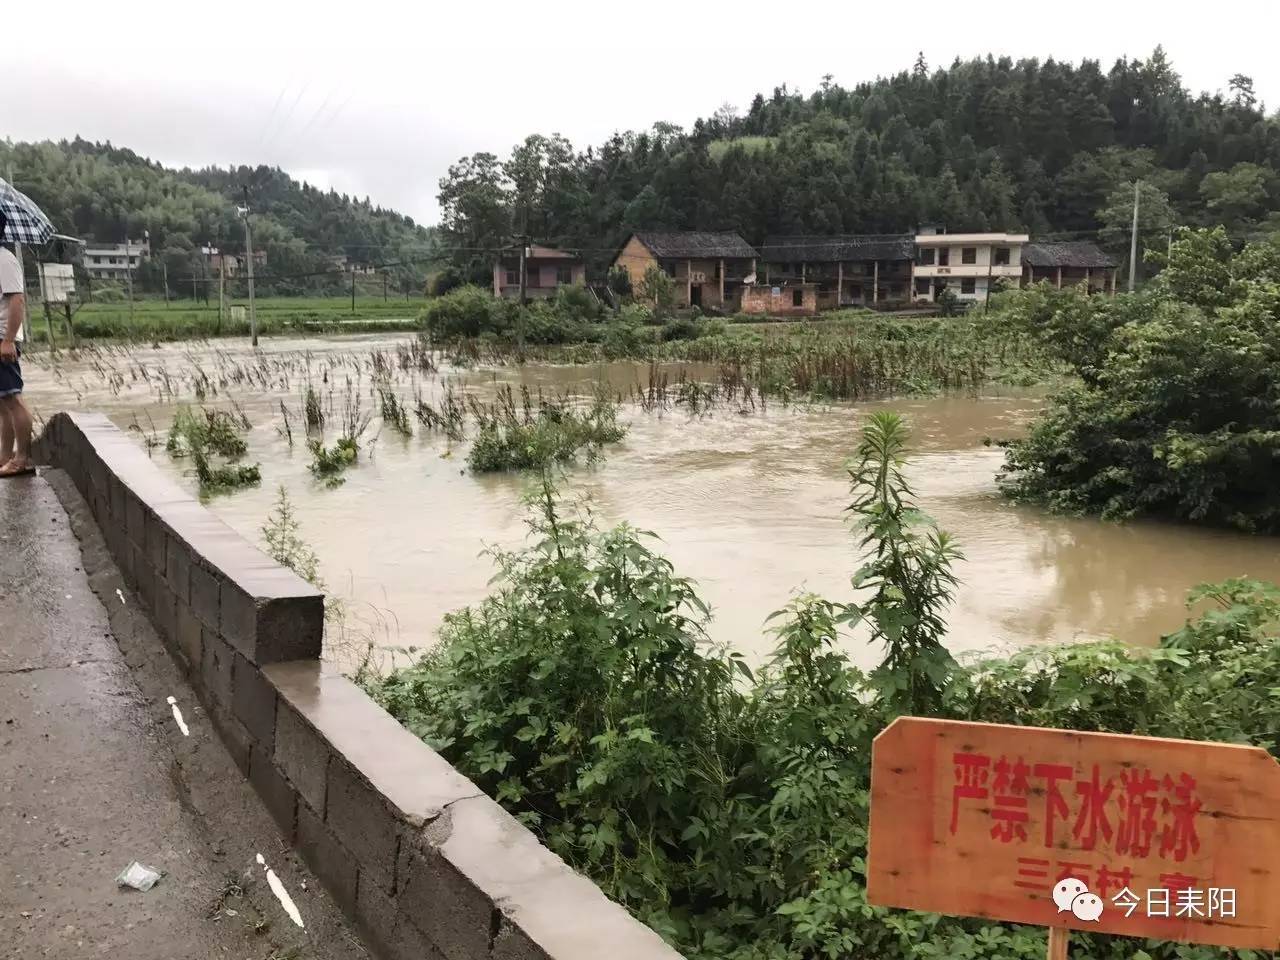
pixel 749 504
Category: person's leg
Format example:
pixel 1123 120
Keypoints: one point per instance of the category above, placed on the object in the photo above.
pixel 19 419
pixel 6 434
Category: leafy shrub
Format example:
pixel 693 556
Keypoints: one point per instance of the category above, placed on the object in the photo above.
pixel 208 433
pixel 577 302
pixel 1178 409
pixel 327 463
pixel 729 808
pixel 466 311
pixel 622 339
pixel 681 329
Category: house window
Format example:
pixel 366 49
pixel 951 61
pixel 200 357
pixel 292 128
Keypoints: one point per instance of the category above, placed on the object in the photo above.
pixel 926 256
pixel 513 276
pixel 797 297
pixel 564 275
pixel 922 286
pixel 669 268
pixel 1002 256
pixel 944 256
pixel 967 285
pixel 968 254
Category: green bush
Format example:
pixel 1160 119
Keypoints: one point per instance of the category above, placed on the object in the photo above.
pixel 1177 412
pixel 729 808
pixel 681 329
pixel 466 311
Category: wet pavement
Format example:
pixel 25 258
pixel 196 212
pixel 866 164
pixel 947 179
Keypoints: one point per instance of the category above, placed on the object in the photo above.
pixel 95 773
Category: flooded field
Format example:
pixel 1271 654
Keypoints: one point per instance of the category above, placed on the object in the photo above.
pixel 748 500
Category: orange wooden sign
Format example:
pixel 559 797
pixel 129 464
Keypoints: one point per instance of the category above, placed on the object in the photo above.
pixel 1140 836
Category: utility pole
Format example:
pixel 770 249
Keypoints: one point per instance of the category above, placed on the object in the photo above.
pixel 128 273
pixel 248 247
pixel 1133 239
pixel 384 286
pixel 524 278
pixel 351 269
pixel 222 285
pixel 164 267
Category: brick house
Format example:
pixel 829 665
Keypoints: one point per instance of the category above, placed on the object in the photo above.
pixel 1068 264
pixel 709 269
pixel 546 270
pixel 848 270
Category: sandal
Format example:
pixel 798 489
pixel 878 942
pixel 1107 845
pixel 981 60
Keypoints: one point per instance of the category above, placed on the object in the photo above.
pixel 6 473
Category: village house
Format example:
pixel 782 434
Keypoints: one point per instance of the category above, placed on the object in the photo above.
pixel 846 270
pixel 546 270
pixel 967 264
pixel 1070 264
pixel 709 269
pixel 114 261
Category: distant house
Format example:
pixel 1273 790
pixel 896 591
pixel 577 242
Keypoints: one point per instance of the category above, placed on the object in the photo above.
pixel 546 269
pixel 234 264
pixel 113 261
pixel 1068 264
pixel 709 269
pixel 848 269
pixel 967 264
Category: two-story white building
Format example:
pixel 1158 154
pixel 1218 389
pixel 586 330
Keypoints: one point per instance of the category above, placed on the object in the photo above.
pixel 113 261
pixel 968 264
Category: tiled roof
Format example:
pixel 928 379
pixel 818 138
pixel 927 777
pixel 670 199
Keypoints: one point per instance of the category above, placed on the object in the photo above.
pixel 829 249
pixel 693 243
pixel 1074 253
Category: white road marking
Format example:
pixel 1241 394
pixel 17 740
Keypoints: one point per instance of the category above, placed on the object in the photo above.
pixel 121 596
pixel 177 716
pixel 281 893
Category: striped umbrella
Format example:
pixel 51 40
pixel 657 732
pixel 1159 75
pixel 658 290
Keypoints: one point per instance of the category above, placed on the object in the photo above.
pixel 24 221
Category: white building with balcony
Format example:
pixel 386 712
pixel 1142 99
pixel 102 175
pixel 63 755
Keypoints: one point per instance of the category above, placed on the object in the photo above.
pixel 113 261
pixel 968 264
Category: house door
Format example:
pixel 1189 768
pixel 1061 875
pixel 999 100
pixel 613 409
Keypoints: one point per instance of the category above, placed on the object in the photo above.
pixel 695 295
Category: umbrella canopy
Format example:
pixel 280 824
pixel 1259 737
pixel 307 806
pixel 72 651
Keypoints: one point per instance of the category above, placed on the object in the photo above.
pixel 24 221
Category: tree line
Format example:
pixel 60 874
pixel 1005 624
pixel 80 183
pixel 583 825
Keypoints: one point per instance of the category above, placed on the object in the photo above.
pixel 985 144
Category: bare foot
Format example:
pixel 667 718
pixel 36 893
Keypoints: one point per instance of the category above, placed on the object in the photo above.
pixel 17 467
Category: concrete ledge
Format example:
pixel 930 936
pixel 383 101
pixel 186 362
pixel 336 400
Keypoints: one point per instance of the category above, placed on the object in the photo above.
pixel 430 867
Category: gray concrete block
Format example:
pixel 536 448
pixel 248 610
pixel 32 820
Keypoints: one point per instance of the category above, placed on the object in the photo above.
pixel 238 740
pixel 302 755
pixel 277 794
pixel 117 501
pixel 387 931
pixel 135 518
pixel 290 628
pixel 359 817
pixel 512 944
pixel 188 635
pixel 253 702
pixel 165 614
pixel 156 537
pixel 437 899
pixel 144 578
pixel 239 619
pixel 204 596
pixel 215 669
pixel 332 863
pixel 177 569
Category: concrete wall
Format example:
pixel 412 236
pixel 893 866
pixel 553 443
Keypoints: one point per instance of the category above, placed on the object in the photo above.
pixel 427 865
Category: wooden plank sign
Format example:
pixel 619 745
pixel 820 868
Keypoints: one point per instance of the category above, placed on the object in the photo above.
pixel 1140 836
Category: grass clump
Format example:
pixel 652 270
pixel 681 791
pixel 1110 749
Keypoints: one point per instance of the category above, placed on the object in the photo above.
pixel 203 435
pixel 536 437
pixel 328 463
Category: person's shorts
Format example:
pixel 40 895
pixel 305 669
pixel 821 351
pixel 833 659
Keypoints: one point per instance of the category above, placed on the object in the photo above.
pixel 11 377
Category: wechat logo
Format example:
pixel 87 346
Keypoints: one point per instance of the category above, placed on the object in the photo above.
pixel 1074 896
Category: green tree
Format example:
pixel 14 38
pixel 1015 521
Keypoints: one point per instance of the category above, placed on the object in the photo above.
pixel 1237 196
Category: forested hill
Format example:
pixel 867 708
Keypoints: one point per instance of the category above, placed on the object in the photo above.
pixel 989 143
pixel 101 192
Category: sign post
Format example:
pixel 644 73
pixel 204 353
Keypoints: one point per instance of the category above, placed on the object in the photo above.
pixel 1137 836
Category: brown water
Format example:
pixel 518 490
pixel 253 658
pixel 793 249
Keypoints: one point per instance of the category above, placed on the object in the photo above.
pixel 750 506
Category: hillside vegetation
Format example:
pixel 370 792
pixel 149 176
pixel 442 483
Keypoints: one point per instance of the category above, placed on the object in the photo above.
pixel 101 192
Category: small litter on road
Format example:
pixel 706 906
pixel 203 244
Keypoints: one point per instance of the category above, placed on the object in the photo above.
pixel 281 893
pixel 177 716
pixel 120 595
pixel 138 877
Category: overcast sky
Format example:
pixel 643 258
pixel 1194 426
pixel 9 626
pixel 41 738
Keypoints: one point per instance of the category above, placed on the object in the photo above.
pixel 378 99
